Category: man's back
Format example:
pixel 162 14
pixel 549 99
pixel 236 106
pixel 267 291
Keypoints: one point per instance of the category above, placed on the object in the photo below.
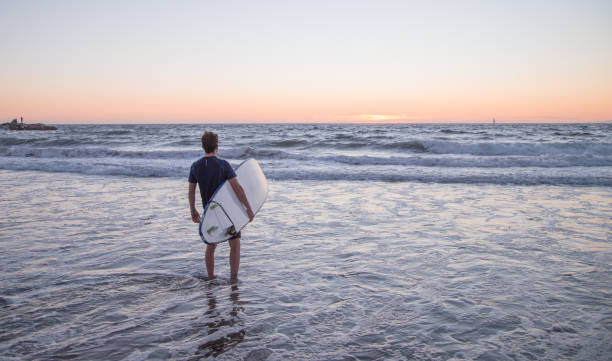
pixel 210 172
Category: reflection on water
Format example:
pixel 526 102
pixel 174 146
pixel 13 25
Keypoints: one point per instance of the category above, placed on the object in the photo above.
pixel 227 340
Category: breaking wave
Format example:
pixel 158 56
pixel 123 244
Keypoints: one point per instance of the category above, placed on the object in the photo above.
pixel 477 155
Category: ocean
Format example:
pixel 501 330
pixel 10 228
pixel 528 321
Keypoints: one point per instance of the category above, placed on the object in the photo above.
pixel 377 242
pixel 557 154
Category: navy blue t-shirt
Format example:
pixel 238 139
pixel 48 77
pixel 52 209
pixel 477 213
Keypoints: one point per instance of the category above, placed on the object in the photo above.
pixel 209 173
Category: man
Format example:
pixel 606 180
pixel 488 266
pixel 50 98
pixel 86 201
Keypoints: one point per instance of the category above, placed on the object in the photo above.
pixel 208 173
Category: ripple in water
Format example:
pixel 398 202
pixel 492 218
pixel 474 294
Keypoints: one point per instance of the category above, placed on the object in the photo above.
pixel 101 267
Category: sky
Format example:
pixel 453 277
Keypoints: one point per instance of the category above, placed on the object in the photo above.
pixel 305 61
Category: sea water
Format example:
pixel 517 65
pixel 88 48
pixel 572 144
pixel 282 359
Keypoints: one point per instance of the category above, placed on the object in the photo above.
pixel 376 242
pixel 555 154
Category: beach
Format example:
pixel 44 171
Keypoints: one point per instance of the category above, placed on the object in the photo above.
pixel 360 259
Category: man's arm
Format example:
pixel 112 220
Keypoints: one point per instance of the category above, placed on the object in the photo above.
pixel 241 196
pixel 195 216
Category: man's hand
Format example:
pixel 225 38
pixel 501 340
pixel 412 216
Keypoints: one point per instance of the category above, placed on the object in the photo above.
pixel 242 197
pixel 195 216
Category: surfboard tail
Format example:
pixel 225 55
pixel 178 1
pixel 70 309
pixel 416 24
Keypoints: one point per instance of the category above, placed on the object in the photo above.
pixel 216 226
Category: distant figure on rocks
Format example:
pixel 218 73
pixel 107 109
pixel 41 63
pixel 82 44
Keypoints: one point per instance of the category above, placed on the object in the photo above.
pixel 18 124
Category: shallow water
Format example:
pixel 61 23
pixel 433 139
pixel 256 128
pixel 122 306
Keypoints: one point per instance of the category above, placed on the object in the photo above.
pixel 103 267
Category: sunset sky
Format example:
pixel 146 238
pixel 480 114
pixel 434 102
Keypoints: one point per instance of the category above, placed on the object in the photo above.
pixel 305 61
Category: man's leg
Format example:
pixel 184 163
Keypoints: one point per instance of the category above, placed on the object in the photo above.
pixel 210 260
pixel 234 258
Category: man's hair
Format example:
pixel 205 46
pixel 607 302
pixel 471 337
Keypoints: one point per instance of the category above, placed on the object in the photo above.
pixel 210 141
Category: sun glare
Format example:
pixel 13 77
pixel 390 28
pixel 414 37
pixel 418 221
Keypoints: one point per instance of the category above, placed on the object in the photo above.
pixel 379 117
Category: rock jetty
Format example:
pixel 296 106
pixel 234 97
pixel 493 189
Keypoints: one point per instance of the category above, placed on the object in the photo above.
pixel 15 125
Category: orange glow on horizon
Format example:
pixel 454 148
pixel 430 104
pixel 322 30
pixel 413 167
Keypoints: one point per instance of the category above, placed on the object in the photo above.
pixel 80 105
pixel 168 100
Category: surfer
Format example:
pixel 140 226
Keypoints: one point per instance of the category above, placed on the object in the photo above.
pixel 208 173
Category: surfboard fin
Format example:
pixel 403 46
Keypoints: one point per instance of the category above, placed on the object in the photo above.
pixel 231 230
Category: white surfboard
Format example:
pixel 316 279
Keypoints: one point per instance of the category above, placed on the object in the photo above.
pixel 224 215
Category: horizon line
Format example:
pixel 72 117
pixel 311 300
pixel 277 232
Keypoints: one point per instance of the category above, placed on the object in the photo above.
pixel 497 122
